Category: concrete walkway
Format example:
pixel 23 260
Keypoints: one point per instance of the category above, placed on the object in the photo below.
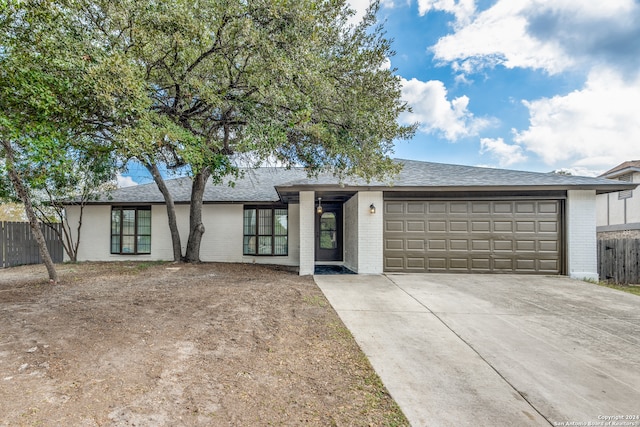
pixel 475 350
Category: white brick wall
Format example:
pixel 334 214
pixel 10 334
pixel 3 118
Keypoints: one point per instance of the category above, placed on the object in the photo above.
pixel 351 233
pixel 222 238
pixel 307 232
pixel 221 242
pixel 95 234
pixel 581 234
pixel 370 254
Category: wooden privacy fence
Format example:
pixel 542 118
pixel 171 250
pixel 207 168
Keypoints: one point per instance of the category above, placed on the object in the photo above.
pixel 19 246
pixel 619 261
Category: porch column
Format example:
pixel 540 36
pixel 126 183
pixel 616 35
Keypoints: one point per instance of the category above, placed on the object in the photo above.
pixel 582 256
pixel 307 233
pixel 370 226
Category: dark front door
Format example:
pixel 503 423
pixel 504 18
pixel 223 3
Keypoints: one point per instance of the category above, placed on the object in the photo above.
pixel 329 233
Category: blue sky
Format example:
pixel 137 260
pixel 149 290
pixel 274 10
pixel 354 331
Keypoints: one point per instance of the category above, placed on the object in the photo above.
pixel 534 85
pixel 521 84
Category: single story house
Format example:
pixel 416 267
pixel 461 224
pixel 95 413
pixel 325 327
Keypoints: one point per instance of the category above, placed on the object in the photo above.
pixel 431 218
pixel 618 214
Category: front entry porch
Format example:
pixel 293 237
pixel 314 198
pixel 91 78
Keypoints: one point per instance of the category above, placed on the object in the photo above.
pixel 343 234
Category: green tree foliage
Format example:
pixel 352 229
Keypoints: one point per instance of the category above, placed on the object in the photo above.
pixel 286 80
pixel 203 86
pixel 50 117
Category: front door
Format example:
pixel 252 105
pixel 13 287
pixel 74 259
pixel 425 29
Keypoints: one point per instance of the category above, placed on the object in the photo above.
pixel 329 233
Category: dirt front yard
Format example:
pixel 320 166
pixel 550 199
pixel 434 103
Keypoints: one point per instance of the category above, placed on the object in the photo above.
pixel 146 344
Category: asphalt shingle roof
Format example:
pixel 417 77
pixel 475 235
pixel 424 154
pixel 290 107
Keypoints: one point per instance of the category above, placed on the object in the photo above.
pixel 259 185
pixel 631 165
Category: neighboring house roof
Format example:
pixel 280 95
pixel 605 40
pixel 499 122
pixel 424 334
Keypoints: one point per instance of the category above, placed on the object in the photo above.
pixel 273 184
pixel 622 168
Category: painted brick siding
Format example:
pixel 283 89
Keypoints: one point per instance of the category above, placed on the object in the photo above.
pixel 307 233
pixel 351 233
pixel 95 234
pixel 222 238
pixel 221 242
pixel 581 234
pixel 370 226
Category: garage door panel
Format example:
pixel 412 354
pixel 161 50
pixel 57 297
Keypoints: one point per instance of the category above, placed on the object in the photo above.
pixel 548 207
pixel 502 207
pixel 394 244
pixel 415 263
pixel 547 227
pixel 460 264
pixel 414 245
pixel 503 226
pixel 436 207
pixel 394 207
pixel 459 245
pixel 459 208
pixel 483 245
pixel 394 226
pixel 503 245
pixel 481 264
pixel 505 264
pixel 415 208
pixel 480 226
pixel 480 207
pixel 526 265
pixel 437 245
pixel 437 264
pixel 520 236
pixel 413 226
pixel 525 207
pixel 525 245
pixel 548 246
pixel 458 226
pixel 548 265
pixel 435 226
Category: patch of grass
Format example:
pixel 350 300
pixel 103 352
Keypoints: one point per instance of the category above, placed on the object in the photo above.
pixel 625 288
pixel 631 289
pixel 380 399
pixel 316 300
pixel 341 332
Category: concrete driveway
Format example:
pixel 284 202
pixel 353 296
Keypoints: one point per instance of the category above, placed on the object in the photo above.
pixel 501 350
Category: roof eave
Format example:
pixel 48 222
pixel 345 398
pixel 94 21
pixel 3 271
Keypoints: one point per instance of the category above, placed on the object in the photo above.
pixel 599 188
pixel 616 173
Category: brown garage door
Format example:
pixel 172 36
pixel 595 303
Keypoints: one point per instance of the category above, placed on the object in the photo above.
pixel 512 236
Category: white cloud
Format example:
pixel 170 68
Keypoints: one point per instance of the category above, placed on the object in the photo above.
pixel 506 154
pixel 499 36
pixel 462 9
pixel 541 34
pixel 436 114
pixel 125 181
pixel 595 128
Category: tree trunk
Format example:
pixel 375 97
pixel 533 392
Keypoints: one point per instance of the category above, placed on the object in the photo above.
pixel 21 190
pixel 196 228
pixel 171 210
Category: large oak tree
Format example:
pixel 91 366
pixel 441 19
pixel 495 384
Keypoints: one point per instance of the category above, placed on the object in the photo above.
pixel 202 86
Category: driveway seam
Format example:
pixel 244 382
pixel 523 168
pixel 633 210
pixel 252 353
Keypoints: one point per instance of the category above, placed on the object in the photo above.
pixel 472 349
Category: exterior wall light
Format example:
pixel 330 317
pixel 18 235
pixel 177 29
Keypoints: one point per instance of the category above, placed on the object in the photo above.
pixel 372 208
pixel 319 207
